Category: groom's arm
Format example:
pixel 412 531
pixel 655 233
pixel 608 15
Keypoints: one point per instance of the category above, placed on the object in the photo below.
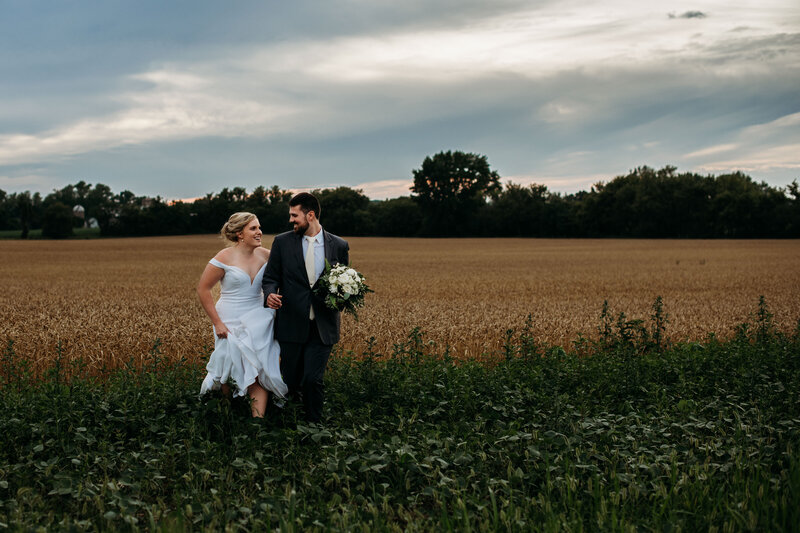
pixel 273 275
pixel 346 253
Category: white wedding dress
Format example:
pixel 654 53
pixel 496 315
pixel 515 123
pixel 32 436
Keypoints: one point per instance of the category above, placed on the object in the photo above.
pixel 250 352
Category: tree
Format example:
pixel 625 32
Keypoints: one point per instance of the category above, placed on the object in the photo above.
pixel 25 207
pixel 57 223
pixel 398 217
pixel 451 186
pixel 277 195
pixel 455 194
pixel 5 210
pixel 518 211
pixel 744 208
pixel 257 199
pixel 271 206
pixel 344 211
pixel 793 210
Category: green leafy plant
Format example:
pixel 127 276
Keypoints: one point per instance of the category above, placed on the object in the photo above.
pixel 618 436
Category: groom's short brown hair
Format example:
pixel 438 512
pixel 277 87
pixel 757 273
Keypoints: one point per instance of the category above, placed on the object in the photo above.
pixel 307 202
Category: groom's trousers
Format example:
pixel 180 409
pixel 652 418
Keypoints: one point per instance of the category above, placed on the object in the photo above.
pixel 303 367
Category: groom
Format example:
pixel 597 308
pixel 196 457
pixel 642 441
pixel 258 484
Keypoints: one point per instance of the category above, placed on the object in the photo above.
pixel 305 328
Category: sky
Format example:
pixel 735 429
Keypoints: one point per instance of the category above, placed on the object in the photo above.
pixel 180 99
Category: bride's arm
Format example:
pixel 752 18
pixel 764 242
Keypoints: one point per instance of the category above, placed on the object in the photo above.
pixel 210 277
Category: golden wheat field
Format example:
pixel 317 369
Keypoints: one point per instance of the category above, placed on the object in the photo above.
pixel 108 301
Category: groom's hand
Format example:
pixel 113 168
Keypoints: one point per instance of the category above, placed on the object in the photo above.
pixel 274 301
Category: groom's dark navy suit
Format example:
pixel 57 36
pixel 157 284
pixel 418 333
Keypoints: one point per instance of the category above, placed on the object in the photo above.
pixel 305 344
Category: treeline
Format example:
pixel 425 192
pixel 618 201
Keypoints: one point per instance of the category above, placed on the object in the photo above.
pixel 449 198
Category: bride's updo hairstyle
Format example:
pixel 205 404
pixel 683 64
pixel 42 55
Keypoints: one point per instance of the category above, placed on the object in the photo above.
pixel 236 223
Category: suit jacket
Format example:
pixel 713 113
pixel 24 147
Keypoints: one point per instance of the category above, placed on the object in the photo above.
pixel 286 275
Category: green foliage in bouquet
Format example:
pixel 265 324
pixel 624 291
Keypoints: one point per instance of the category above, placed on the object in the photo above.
pixel 342 288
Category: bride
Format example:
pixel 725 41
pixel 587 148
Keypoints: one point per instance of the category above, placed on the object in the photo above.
pixel 245 349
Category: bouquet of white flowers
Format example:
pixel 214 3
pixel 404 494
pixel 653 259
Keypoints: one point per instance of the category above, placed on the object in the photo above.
pixel 342 288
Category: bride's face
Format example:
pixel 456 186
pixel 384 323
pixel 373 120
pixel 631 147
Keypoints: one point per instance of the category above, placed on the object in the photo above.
pixel 251 234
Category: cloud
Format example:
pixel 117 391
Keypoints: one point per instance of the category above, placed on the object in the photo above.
pixel 531 87
pixel 693 15
pixel 713 150
pixel 563 184
pixel 769 160
pixel 689 15
pixel 383 189
pixel 30 182
pixel 765 159
pixel 175 105
pixel 767 147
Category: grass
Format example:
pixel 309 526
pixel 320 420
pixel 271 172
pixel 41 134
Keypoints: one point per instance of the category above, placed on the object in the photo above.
pixel 36 234
pixel 624 432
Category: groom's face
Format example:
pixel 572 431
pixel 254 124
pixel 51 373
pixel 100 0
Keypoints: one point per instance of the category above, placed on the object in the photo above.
pixel 298 219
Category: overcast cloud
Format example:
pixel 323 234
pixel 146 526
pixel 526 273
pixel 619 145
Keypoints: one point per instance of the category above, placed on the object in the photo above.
pixel 184 100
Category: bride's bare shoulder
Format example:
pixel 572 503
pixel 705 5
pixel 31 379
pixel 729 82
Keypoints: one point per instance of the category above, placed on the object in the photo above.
pixel 263 253
pixel 224 255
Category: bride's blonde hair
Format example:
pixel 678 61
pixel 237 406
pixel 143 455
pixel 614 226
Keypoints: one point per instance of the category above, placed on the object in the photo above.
pixel 236 223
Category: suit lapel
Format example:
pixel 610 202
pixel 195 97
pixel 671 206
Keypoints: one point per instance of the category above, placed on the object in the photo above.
pixel 297 246
pixel 328 243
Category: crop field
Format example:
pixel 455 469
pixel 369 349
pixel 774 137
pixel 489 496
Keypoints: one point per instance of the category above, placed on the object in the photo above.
pixel 611 431
pixel 108 300
pixel 633 437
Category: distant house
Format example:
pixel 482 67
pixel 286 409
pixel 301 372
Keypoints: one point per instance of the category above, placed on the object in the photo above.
pixel 79 212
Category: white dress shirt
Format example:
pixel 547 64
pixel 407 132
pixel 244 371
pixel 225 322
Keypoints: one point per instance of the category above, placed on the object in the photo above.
pixel 319 252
